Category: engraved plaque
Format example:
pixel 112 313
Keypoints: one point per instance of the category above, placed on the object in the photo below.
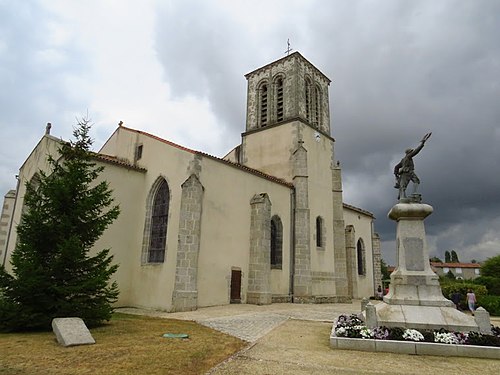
pixel 414 253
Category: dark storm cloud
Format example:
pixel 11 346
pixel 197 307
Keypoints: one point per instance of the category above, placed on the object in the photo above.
pixel 399 70
pixel 205 50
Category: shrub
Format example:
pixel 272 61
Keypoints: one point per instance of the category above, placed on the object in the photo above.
pixel 491 283
pixel 476 338
pixel 491 304
pixel 462 287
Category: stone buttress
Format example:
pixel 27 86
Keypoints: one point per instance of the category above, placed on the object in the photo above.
pixel 185 295
pixel 259 268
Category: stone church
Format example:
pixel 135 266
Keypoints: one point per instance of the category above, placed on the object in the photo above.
pixel 264 224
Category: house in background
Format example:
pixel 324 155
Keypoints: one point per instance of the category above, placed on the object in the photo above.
pixel 266 223
pixel 462 271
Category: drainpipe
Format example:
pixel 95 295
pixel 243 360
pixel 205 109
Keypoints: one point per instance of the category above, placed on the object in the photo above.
pixel 292 242
pixel 11 223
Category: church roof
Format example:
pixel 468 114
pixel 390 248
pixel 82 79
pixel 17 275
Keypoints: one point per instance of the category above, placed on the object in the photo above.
pixel 357 209
pixel 114 160
pixel 229 163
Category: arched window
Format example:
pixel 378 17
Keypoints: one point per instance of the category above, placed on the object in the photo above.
pixel 279 99
pixel 263 104
pixel 320 232
pixel 360 247
pixel 317 107
pixel 308 99
pixel 276 242
pixel 155 230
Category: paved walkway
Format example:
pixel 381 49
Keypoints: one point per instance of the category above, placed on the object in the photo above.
pixel 251 322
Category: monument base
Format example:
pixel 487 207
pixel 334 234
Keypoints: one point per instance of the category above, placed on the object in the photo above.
pixel 421 317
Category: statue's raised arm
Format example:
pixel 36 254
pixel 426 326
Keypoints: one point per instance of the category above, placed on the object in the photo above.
pixel 405 169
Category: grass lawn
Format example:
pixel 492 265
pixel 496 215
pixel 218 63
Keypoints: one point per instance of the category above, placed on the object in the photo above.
pixel 128 344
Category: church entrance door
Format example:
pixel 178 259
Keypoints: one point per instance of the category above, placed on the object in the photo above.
pixel 235 286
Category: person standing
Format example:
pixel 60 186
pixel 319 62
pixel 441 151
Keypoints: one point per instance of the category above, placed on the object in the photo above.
pixel 456 297
pixel 380 294
pixel 471 301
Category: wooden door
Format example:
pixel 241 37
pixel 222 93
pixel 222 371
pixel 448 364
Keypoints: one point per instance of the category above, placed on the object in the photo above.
pixel 235 286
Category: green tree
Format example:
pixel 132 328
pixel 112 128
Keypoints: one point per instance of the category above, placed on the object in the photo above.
pixel 436 260
pixel 53 272
pixel 454 257
pixel 386 275
pixel 450 275
pixel 491 267
pixel 447 257
pixel 490 275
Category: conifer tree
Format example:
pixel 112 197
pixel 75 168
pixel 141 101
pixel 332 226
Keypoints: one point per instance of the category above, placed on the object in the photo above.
pixel 54 274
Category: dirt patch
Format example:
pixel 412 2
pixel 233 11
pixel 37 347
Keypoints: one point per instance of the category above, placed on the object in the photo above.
pixel 303 347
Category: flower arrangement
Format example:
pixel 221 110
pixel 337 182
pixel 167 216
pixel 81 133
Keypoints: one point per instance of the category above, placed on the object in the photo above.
pixel 354 327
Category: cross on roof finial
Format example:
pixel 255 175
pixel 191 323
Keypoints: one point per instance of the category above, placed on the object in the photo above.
pixel 288 49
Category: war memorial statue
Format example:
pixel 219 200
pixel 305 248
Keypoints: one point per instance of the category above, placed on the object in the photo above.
pixel 415 299
pixel 405 170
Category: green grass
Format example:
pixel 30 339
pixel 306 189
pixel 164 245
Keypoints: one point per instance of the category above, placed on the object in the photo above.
pixel 128 344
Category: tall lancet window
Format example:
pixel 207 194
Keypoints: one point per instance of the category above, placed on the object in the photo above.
pixel 361 255
pixel 159 219
pixel 317 107
pixel 308 99
pixel 263 104
pixel 320 232
pixel 279 99
pixel 276 242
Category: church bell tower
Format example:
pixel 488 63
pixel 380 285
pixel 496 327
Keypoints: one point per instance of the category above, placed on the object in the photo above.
pixel 287 136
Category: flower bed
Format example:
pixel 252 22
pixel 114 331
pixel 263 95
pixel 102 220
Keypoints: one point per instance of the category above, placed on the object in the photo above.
pixel 350 332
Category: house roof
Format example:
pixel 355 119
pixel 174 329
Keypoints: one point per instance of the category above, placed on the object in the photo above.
pixel 234 165
pixel 455 265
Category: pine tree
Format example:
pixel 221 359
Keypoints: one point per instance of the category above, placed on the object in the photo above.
pixel 53 273
pixel 447 257
pixel 454 257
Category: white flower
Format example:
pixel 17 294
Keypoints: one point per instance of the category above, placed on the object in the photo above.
pixel 341 331
pixel 445 338
pixel 366 333
pixel 413 335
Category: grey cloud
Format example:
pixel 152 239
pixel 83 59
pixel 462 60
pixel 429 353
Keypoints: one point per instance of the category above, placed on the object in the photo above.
pixel 34 87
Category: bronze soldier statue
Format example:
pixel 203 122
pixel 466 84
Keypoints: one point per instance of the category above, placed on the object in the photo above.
pixel 405 169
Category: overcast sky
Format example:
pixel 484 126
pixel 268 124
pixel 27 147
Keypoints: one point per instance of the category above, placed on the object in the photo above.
pixel 399 69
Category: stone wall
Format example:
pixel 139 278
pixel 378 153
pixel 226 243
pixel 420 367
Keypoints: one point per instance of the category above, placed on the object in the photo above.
pixel 5 219
pixel 302 281
pixel 259 267
pixel 185 294
pixel 339 249
pixel 350 244
pixel 377 257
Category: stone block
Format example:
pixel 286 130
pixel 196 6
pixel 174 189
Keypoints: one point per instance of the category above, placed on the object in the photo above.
pixel 356 344
pixel 259 298
pixel 482 319
pixel 333 342
pixel 428 348
pixel 71 332
pixel 478 351
pixel 391 346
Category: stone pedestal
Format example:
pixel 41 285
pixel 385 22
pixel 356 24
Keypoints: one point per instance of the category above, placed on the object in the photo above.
pixel 415 299
pixel 413 282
